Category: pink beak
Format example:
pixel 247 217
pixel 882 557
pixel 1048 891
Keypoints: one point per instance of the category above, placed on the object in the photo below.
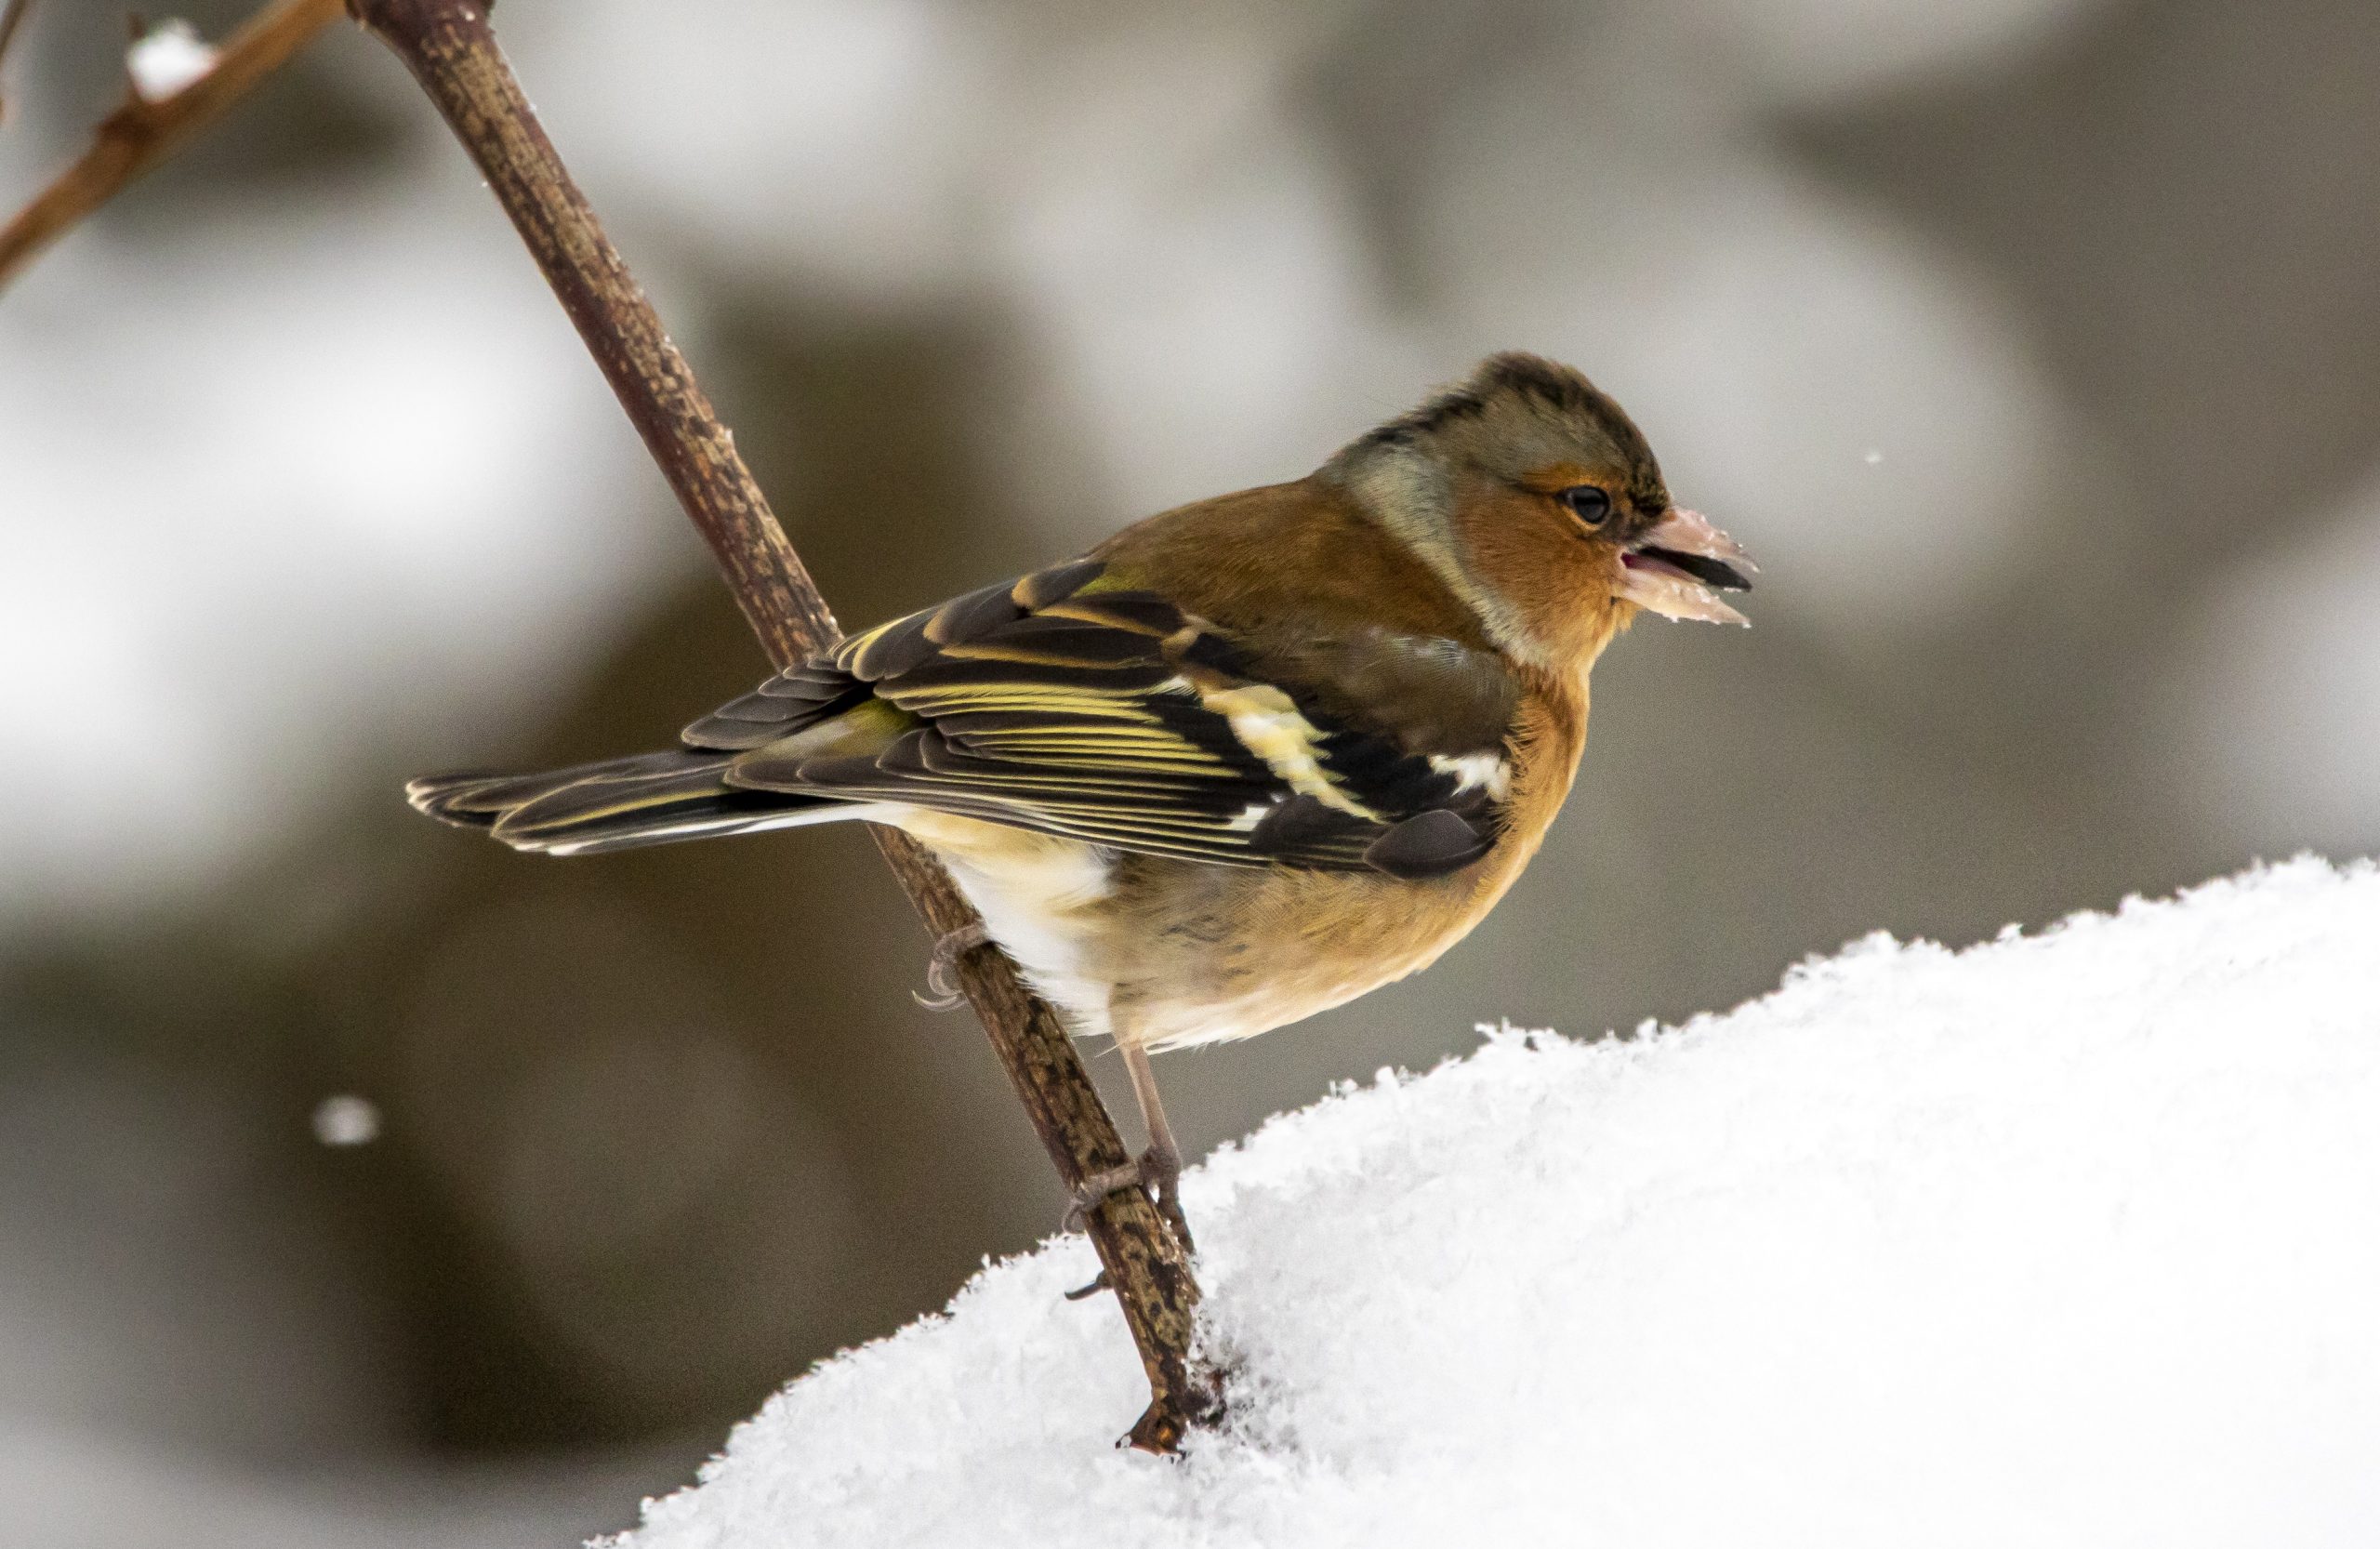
pixel 1679 567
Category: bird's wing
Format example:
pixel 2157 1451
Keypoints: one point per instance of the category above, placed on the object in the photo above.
pixel 1075 702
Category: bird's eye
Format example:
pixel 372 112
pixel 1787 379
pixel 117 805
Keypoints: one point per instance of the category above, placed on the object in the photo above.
pixel 1587 503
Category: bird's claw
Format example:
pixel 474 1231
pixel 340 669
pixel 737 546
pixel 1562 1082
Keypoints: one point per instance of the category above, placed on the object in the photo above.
pixel 1159 1172
pixel 942 970
pixel 1157 1169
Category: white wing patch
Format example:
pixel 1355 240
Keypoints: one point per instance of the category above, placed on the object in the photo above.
pixel 1486 772
pixel 1251 816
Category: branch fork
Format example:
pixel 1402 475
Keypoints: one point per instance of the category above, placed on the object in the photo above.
pixel 153 122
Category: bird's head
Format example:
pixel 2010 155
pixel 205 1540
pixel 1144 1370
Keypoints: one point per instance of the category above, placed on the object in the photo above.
pixel 1536 499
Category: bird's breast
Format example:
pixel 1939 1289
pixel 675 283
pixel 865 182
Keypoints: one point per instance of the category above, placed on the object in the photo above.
pixel 1171 952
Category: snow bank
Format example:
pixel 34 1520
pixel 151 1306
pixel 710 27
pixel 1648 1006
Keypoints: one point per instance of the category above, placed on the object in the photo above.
pixel 2067 1240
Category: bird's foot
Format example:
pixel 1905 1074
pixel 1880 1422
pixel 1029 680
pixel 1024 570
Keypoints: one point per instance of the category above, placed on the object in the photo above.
pixel 942 972
pixel 1159 1169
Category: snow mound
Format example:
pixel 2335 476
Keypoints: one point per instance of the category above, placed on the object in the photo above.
pixel 2071 1238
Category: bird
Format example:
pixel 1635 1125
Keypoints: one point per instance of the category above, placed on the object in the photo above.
pixel 1244 761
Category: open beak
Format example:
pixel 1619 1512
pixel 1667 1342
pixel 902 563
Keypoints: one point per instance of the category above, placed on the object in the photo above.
pixel 1679 567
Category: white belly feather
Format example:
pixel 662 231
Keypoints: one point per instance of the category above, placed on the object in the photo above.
pixel 1035 891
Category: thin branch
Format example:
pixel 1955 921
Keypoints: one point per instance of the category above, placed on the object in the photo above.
pixel 142 133
pixel 452 52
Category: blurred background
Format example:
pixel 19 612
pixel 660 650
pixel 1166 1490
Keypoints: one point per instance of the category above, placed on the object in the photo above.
pixel 363 1182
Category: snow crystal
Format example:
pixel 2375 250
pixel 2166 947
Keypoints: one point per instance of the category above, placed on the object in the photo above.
pixel 346 1120
pixel 2060 1240
pixel 166 59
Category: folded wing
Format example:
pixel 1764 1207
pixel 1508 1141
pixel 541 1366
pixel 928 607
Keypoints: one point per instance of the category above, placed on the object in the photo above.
pixel 1075 703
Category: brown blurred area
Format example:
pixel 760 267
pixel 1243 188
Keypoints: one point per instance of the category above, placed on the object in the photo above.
pixel 2035 351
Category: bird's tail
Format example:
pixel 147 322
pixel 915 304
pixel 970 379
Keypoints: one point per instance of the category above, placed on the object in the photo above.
pixel 618 804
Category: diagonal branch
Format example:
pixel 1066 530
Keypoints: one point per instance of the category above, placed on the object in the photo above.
pixel 451 50
pixel 145 131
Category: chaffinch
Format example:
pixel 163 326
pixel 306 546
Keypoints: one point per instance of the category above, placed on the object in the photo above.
pixel 1244 761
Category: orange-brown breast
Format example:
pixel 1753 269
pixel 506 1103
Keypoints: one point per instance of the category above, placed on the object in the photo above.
pixel 1197 953
pixel 1201 954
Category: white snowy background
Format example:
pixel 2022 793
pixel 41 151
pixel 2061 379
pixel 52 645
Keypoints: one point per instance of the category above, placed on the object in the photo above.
pixel 2030 344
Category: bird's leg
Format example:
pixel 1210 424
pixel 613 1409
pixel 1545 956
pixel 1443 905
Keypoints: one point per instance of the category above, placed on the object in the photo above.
pixel 1159 1166
pixel 942 973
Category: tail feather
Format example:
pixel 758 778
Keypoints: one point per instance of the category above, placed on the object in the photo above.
pixel 617 805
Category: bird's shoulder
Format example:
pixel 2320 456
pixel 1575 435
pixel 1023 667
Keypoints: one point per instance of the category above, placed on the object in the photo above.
pixel 1282 558
pixel 1313 594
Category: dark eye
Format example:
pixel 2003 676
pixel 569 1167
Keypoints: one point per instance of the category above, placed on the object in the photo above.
pixel 1587 503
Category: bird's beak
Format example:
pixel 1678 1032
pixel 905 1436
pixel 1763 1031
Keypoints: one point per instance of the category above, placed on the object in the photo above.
pixel 1678 567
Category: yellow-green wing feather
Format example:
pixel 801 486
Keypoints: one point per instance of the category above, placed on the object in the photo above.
pixel 1073 702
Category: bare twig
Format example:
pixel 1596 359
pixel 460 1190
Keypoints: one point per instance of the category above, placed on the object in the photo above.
pixel 451 50
pixel 142 133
